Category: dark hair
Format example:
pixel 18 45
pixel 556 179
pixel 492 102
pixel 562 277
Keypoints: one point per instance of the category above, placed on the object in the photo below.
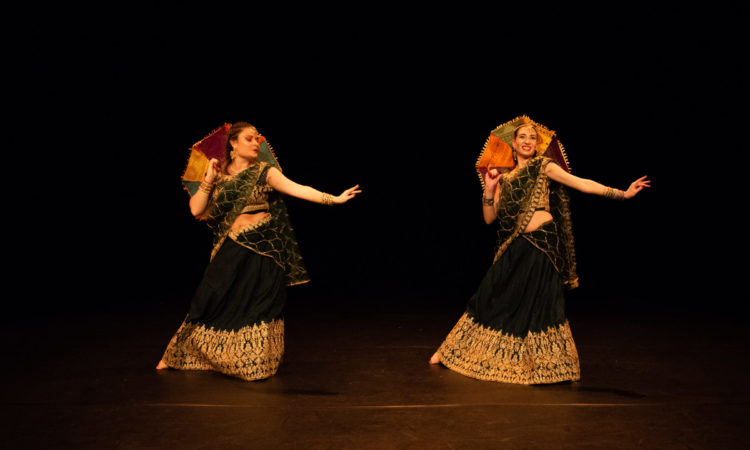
pixel 232 134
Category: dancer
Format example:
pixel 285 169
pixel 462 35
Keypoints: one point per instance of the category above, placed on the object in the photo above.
pixel 514 329
pixel 235 322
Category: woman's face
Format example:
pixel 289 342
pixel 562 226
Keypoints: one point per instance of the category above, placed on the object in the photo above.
pixel 247 143
pixel 525 142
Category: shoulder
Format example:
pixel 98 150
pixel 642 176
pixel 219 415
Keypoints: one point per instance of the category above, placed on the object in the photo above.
pixel 539 164
pixel 545 160
pixel 264 168
pixel 273 176
pixel 548 164
pixel 270 170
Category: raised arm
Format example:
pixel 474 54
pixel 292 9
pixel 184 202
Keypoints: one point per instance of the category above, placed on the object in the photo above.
pixel 281 183
pixel 556 173
pixel 199 201
pixel 491 195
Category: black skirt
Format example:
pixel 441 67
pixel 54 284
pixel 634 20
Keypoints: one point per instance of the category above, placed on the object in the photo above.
pixel 235 323
pixel 514 329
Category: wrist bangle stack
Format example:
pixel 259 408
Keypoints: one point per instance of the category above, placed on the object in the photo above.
pixel 614 194
pixel 326 199
pixel 487 201
pixel 206 187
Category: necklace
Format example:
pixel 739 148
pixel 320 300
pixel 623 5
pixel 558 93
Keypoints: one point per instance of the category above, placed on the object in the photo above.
pixel 232 171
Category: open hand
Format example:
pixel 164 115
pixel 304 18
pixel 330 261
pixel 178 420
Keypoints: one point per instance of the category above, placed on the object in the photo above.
pixel 347 195
pixel 637 186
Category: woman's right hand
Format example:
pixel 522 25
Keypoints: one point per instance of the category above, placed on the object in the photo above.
pixel 213 171
pixel 491 180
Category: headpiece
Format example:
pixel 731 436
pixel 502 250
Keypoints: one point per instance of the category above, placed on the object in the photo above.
pixel 497 152
pixel 213 146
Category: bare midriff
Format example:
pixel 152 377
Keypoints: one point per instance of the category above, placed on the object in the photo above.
pixel 538 219
pixel 244 220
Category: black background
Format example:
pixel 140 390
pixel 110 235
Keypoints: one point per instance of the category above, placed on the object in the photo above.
pixel 400 102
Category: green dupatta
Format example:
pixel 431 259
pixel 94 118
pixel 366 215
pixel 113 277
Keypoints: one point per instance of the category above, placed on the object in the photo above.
pixel 272 236
pixel 521 193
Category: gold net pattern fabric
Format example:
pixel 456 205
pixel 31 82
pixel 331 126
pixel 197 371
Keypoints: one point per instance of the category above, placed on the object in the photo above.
pixel 523 192
pixel 273 237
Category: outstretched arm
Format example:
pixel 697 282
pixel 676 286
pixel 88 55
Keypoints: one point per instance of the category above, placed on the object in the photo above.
pixel 556 173
pixel 281 183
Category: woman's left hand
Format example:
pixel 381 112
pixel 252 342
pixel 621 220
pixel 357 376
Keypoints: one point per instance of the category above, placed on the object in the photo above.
pixel 636 187
pixel 347 195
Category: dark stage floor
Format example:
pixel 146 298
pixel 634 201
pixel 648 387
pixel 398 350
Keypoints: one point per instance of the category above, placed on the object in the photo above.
pixel 357 377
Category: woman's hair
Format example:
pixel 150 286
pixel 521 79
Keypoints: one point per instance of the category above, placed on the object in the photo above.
pixel 524 125
pixel 232 134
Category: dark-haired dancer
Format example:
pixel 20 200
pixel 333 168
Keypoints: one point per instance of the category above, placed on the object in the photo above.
pixel 514 329
pixel 235 323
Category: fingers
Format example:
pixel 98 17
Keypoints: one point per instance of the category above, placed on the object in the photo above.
pixel 642 181
pixel 352 191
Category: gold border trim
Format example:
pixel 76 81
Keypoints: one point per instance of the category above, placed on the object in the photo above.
pixel 251 353
pixel 549 356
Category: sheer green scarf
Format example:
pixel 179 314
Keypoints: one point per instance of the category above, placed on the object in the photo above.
pixel 272 237
pixel 521 193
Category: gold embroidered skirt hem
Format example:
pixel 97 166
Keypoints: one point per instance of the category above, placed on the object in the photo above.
pixel 549 356
pixel 251 353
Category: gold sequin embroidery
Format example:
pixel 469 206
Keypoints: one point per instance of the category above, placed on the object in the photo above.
pixel 549 356
pixel 253 352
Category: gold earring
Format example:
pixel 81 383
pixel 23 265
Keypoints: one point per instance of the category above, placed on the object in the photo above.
pixel 233 153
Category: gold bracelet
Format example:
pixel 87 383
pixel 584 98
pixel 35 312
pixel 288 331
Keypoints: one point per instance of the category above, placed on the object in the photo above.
pixel 326 199
pixel 488 201
pixel 614 194
pixel 206 187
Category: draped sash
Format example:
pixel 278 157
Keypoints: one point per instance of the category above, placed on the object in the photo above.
pixel 522 192
pixel 273 236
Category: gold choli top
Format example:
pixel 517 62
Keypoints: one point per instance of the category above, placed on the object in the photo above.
pixel 258 200
pixel 538 203
pixel 542 203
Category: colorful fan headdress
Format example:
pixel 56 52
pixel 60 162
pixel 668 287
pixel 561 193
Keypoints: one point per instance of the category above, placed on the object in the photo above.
pixel 213 146
pixel 498 150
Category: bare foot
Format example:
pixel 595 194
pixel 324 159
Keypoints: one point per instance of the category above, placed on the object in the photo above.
pixel 435 359
pixel 161 365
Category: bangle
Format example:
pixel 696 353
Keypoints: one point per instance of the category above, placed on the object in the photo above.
pixel 488 201
pixel 206 187
pixel 326 199
pixel 614 194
